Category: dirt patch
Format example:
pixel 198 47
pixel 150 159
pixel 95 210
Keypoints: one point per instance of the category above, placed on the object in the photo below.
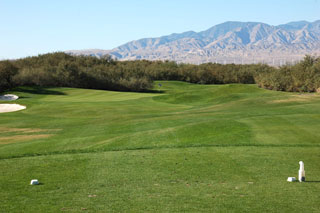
pixel 25 130
pixel 20 138
pixel 22 130
pixel 24 134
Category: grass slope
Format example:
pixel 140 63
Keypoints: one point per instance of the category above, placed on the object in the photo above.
pixel 191 148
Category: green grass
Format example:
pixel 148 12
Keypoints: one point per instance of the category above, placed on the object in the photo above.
pixel 192 148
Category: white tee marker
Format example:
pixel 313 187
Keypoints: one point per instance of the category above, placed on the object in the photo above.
pixel 291 179
pixel 302 175
pixel 34 182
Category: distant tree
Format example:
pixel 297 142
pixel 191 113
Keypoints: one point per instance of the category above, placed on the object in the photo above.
pixel 302 77
pixel 108 58
pixel 7 71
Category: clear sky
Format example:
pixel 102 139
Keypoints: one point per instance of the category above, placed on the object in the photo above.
pixel 31 27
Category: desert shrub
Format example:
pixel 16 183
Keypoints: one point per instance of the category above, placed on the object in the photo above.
pixel 60 69
pixel 7 71
pixel 302 77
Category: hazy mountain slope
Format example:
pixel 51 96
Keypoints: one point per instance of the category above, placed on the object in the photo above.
pixel 229 42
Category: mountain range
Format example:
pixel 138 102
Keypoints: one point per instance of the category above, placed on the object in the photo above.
pixel 229 42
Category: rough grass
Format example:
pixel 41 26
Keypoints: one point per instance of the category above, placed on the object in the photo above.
pixel 192 148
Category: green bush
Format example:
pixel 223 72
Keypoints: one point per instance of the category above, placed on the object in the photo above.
pixel 7 71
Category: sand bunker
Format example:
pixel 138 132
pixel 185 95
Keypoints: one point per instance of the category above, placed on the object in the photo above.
pixel 8 97
pixel 11 107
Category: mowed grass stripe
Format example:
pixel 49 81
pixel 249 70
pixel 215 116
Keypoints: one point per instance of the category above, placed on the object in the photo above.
pixel 222 115
pixel 224 179
pixel 88 151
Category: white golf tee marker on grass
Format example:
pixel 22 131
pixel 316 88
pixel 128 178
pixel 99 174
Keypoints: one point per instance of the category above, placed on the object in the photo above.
pixel 291 179
pixel 34 182
pixel 302 175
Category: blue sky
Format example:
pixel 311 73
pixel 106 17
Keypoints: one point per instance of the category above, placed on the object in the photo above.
pixel 31 27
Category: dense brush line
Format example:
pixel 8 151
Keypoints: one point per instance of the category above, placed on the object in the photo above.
pixel 60 69
pixel 302 77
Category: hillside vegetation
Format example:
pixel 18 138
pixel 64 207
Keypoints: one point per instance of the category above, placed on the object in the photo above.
pixel 62 70
pixel 302 77
pixel 187 148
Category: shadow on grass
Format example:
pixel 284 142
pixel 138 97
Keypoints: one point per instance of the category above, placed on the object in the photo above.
pixel 119 149
pixel 153 91
pixel 39 184
pixel 23 97
pixel 142 91
pixel 37 90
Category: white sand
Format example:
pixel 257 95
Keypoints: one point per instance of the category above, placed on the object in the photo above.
pixel 11 107
pixel 8 97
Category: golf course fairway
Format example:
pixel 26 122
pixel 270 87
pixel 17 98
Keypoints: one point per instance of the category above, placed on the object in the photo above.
pixel 181 148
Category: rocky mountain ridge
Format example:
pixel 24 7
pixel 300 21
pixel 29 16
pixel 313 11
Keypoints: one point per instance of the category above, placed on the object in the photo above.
pixel 229 42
